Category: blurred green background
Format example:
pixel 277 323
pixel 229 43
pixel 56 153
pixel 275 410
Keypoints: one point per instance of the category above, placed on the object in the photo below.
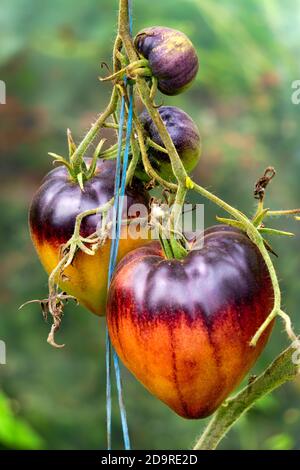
pixel 50 58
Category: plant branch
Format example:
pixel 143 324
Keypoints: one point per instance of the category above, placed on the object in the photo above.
pixel 77 156
pixel 256 237
pixel 283 369
pixel 283 212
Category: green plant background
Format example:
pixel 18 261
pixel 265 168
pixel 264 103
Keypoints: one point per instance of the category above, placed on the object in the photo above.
pixel 50 58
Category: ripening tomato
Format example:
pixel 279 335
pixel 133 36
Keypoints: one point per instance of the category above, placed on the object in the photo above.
pixel 183 327
pixel 171 55
pixel 184 134
pixel 52 218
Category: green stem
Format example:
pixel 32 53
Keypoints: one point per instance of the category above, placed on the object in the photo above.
pixel 177 165
pixel 112 125
pixel 111 151
pixel 177 248
pixel 155 146
pixel 117 48
pixel 280 371
pixel 177 206
pixel 77 157
pixel 283 212
pixel 255 236
pixel 139 67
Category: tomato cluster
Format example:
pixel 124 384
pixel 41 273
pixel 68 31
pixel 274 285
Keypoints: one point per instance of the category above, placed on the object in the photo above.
pixel 182 326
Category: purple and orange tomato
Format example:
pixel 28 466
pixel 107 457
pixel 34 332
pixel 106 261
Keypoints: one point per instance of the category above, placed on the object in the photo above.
pixel 183 327
pixel 52 217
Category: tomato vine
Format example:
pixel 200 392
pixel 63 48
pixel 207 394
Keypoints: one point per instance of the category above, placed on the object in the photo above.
pixel 127 63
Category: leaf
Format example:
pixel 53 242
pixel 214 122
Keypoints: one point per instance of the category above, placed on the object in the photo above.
pixel 166 247
pixel 15 433
pixel 79 178
pixel 272 231
pixel 93 164
pixel 178 250
pixel 280 442
pixel 71 144
pixel 260 217
pixel 61 160
pixel 230 222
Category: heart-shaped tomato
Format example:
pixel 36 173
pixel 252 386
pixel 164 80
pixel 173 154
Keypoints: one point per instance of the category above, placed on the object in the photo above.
pixel 183 327
pixel 52 218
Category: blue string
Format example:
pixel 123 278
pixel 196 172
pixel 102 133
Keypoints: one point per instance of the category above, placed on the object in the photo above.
pixel 110 273
pixel 119 192
pixel 121 402
pixel 115 240
pixel 108 389
pixel 123 180
pixel 119 224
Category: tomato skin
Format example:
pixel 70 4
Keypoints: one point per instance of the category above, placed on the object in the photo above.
pixel 183 327
pixel 184 134
pixel 171 55
pixel 52 218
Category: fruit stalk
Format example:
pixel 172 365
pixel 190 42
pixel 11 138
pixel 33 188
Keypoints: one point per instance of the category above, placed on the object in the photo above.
pixel 280 371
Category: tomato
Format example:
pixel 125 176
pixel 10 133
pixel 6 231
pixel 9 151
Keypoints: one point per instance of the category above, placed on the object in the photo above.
pixel 171 55
pixel 52 218
pixel 184 134
pixel 183 327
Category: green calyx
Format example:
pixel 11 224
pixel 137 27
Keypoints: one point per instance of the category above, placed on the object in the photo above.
pixel 131 71
pixel 172 247
pixel 77 167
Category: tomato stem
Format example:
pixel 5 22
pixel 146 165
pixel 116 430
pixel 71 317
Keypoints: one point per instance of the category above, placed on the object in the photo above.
pixel 132 70
pixel 283 212
pixel 77 157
